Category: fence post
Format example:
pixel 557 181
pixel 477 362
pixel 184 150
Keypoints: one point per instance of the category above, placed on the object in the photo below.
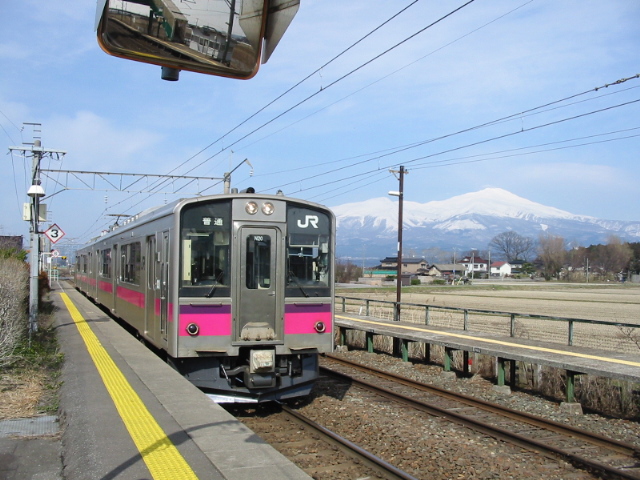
pixel 404 346
pixel 369 336
pixel 570 333
pixel 427 315
pixel 344 304
pixel 466 319
pixel 500 364
pixel 512 328
pixel 448 359
pixel 571 382
pixel 367 302
pixel 465 362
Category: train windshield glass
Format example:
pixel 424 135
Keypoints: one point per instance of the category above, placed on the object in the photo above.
pixel 205 250
pixel 308 253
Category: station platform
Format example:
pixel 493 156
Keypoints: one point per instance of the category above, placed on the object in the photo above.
pixel 125 414
pixel 575 360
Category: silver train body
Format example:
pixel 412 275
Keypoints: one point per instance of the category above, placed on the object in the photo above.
pixel 237 290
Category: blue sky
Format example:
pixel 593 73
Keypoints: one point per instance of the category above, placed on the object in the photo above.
pixel 424 104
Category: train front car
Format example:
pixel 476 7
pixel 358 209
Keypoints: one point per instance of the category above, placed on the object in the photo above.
pixel 255 295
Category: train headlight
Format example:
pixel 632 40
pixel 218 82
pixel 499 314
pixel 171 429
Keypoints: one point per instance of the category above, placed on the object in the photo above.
pixel 320 327
pixel 193 329
pixel 268 208
pixel 251 208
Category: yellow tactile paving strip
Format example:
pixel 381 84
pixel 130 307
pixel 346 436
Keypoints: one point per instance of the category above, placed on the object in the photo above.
pixel 162 458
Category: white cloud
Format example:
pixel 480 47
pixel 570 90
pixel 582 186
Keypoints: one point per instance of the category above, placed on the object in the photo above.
pixel 96 143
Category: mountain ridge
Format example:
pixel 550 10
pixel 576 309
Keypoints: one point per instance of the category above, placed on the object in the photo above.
pixel 465 221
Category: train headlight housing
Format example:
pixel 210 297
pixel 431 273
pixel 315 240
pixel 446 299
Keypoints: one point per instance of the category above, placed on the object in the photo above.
pixel 268 208
pixel 251 208
pixel 193 329
pixel 320 327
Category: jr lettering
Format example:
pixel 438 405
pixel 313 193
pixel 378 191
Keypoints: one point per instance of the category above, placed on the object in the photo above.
pixel 309 220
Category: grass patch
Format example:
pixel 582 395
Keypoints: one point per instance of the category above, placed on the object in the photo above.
pixel 29 386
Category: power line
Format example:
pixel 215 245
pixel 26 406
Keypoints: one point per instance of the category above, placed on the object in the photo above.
pixel 160 183
pixel 499 137
pixel 530 111
pixel 290 89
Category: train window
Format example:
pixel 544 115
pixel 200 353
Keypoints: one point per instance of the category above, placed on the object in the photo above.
pixel 205 250
pixel 308 253
pixel 105 265
pixel 258 262
pixel 309 264
pixel 131 263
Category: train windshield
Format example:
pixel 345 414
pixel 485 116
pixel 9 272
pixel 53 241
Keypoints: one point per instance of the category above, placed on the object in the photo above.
pixel 308 253
pixel 205 267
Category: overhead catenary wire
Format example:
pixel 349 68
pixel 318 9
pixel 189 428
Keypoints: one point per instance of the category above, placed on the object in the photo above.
pixel 481 158
pixel 403 148
pixel 333 83
pixel 391 151
pixel 196 167
pixel 454 149
pixel 287 91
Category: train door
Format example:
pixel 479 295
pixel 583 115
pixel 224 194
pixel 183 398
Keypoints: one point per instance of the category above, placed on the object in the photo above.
pixel 152 311
pixel 258 313
pixel 164 284
pixel 115 276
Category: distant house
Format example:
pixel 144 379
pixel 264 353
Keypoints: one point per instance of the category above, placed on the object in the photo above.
pixel 517 266
pixel 410 265
pixel 475 265
pixel 501 269
pixel 448 270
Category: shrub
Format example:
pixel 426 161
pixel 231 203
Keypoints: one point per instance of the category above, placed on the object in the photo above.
pixel 14 294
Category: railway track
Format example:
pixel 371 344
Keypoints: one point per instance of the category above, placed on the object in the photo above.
pixel 317 450
pixel 599 455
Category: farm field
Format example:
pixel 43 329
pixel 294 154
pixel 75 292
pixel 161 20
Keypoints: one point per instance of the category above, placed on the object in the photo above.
pixel 614 303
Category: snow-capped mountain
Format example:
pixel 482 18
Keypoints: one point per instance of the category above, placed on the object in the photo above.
pixel 464 222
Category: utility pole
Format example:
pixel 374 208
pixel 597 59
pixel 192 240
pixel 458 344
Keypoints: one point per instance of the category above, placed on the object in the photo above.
pixel 400 195
pixel 36 192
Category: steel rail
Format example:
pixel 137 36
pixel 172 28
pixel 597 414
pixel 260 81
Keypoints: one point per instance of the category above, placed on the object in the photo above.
pixel 491 430
pixel 351 449
pixel 593 438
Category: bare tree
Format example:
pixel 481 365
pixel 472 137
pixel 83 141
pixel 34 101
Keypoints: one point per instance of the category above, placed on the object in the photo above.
pixel 616 256
pixel 610 259
pixel 551 254
pixel 512 245
pixel 347 271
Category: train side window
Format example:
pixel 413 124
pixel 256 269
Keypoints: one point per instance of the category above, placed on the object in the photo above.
pixel 130 266
pixel 105 265
pixel 258 262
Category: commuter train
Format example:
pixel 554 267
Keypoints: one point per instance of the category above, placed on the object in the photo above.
pixel 236 290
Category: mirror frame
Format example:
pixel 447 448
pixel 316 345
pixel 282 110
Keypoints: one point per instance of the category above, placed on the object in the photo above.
pixel 222 71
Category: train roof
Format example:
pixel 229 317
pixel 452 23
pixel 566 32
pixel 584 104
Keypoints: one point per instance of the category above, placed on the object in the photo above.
pixel 169 208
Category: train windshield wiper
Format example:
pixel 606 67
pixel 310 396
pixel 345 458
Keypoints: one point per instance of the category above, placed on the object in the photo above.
pixel 212 291
pixel 295 280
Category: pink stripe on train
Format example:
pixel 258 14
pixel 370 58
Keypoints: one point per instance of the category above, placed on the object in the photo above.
pixel 301 319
